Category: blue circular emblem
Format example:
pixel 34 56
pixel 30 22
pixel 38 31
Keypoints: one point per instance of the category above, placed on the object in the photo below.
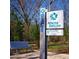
pixel 53 16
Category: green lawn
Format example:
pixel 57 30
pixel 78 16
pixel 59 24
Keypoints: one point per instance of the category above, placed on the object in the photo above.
pixel 58 48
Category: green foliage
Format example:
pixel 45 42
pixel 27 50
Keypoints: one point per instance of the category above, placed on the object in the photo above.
pixel 16 37
pixel 16 28
pixel 34 32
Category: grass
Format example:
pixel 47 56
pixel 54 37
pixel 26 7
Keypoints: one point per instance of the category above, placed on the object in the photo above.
pixel 58 48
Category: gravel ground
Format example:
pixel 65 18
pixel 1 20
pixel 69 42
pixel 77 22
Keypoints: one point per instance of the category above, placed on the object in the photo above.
pixel 35 55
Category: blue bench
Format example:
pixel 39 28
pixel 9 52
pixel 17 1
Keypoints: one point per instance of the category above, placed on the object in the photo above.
pixel 19 44
pixel 15 45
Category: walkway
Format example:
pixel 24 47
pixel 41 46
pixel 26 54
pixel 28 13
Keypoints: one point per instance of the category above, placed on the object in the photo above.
pixel 35 55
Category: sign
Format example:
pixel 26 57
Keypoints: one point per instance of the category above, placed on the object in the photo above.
pixel 43 10
pixel 54 32
pixel 55 23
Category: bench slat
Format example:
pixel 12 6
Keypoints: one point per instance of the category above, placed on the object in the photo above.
pixel 18 44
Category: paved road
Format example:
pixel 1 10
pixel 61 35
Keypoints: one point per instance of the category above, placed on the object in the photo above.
pixel 35 55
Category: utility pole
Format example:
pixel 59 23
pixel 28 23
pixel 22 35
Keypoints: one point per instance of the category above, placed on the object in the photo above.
pixel 43 36
pixel 43 40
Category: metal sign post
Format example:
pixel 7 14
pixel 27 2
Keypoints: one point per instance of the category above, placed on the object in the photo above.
pixel 46 41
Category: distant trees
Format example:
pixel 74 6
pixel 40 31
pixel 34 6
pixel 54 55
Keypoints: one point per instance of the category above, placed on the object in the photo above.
pixel 16 28
pixel 20 10
pixel 35 34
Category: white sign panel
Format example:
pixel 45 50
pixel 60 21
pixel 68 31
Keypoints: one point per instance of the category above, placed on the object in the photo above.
pixel 54 32
pixel 55 23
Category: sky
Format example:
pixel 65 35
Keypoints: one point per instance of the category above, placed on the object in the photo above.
pixel 33 11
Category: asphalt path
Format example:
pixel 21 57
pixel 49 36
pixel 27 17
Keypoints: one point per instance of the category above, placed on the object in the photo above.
pixel 35 55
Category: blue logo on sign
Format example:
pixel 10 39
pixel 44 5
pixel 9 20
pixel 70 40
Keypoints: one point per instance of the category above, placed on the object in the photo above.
pixel 53 16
